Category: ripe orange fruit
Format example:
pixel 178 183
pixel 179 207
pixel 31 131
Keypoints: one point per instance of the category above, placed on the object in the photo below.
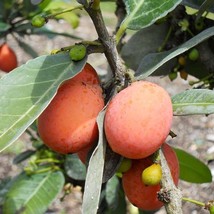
pixel 8 59
pixel 141 195
pixel 87 75
pixel 68 124
pixel 138 120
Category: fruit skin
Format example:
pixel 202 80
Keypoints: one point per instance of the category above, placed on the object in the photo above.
pixel 141 195
pixel 38 21
pixel 138 120
pixel 68 124
pixel 8 58
pixel 87 75
pixel 152 175
pixel 193 54
pixel 78 52
pixel 125 165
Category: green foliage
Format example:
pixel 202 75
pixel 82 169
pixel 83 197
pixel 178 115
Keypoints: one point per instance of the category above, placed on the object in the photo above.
pixel 192 169
pixel 38 81
pixel 34 192
pixel 95 170
pixel 194 101
pixel 28 90
pixel 74 168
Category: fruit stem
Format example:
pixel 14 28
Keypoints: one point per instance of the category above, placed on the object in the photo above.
pixel 47 160
pixel 165 40
pixel 201 204
pixel 51 16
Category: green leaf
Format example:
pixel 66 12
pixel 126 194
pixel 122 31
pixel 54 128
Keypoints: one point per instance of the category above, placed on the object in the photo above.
pixel 193 101
pixel 112 188
pixel 205 7
pixel 144 42
pixel 74 168
pixel 195 4
pixel 51 34
pixel 27 48
pixel 27 91
pixel 33 194
pixel 94 175
pixel 23 156
pixel 115 198
pixel 192 169
pixel 4 27
pixel 112 163
pixel 143 13
pixel 153 61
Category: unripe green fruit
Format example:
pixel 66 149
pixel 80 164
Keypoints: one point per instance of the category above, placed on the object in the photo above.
pixel 199 25
pixel 152 175
pixel 78 52
pixel 125 165
pixel 172 76
pixel 38 21
pixel 193 54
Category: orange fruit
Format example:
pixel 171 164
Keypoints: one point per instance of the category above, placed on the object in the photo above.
pixel 141 195
pixel 138 120
pixel 8 58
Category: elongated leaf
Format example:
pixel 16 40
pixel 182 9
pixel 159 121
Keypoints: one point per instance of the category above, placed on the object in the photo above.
pixel 74 167
pixel 94 175
pixel 27 48
pixel 194 101
pixel 23 156
pixel 153 61
pixel 192 169
pixel 143 13
pixel 33 194
pixel 26 92
pixel 112 189
pixel 205 7
pixel 195 4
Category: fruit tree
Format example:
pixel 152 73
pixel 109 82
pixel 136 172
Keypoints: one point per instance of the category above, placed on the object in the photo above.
pixel 109 131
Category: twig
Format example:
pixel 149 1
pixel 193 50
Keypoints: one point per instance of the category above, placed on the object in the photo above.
pixel 174 204
pixel 109 44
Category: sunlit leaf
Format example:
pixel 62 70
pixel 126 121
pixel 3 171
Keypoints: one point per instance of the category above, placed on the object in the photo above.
pixel 94 175
pixel 192 169
pixel 194 101
pixel 26 91
pixel 145 12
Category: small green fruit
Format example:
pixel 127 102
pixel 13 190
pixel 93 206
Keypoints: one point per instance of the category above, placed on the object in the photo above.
pixel 152 175
pixel 172 76
pixel 193 54
pixel 199 25
pixel 38 21
pixel 78 52
pixel 125 165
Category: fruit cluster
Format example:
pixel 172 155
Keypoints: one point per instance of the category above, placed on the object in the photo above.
pixel 8 59
pixel 137 122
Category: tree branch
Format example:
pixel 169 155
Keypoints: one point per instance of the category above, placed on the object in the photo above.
pixel 174 204
pixel 109 44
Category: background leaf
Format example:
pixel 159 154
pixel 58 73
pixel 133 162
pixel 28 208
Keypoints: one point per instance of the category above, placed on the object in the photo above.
pixel 94 175
pixel 195 4
pixel 33 194
pixel 151 62
pixel 26 92
pixel 193 101
pixel 74 167
pixel 192 169
pixel 143 13
pixel 144 42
